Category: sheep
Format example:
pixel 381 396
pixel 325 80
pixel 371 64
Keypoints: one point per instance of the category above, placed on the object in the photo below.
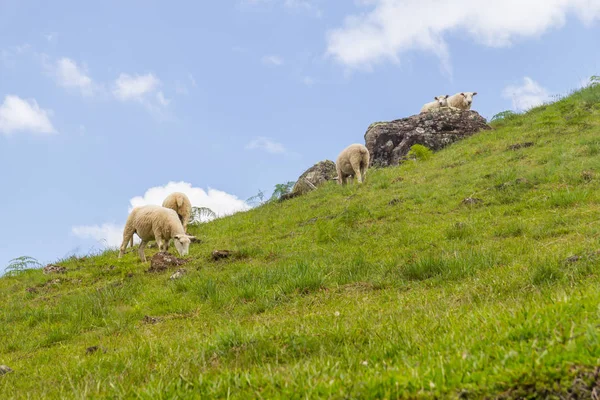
pixel 440 101
pixel 462 100
pixel 352 161
pixel 181 204
pixel 155 223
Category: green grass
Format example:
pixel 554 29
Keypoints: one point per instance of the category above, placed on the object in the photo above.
pixel 392 289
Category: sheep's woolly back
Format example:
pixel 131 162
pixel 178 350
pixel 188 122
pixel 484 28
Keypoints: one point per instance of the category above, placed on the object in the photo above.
pixel 354 152
pixel 459 101
pixel 181 204
pixel 435 104
pixel 146 220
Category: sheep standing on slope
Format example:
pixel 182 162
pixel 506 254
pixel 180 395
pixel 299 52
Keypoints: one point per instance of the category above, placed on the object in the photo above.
pixel 440 101
pixel 352 161
pixel 181 204
pixel 461 100
pixel 155 223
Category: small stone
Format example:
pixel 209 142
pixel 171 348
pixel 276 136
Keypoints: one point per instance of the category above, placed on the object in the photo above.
pixel 163 261
pixel 220 254
pixel 518 146
pixel 472 201
pixel 54 269
pixel 178 274
pixel 337 313
pixel 5 369
pixel 587 175
pixel 151 320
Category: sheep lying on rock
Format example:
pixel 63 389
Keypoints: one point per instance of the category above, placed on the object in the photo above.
pixel 461 100
pixel 181 204
pixel 440 101
pixel 352 161
pixel 155 223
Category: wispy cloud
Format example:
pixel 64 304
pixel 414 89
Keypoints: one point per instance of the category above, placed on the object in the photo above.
pixel 143 89
pixel 266 144
pixel 135 87
pixel 528 95
pixel 272 60
pixel 21 116
pixel 72 76
pixel 393 27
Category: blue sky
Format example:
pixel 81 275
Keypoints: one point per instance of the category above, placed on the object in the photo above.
pixel 110 105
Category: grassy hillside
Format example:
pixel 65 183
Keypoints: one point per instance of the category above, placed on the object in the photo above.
pixel 395 288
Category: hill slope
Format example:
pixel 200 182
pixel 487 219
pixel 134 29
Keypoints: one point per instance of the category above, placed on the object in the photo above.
pixel 395 288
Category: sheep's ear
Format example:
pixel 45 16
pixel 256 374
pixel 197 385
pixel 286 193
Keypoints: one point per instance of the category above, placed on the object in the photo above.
pixel 446 96
pixel 463 95
pixel 474 93
pixel 435 98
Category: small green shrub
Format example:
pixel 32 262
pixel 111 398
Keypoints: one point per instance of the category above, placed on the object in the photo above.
pixel 419 152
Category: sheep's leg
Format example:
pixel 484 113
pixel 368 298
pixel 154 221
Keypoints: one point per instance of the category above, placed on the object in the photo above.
pixel 341 179
pixel 127 235
pixel 363 170
pixel 356 168
pixel 141 250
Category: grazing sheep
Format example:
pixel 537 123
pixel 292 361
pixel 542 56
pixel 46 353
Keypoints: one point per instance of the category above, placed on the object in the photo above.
pixel 181 204
pixel 461 100
pixel 352 161
pixel 155 223
pixel 440 101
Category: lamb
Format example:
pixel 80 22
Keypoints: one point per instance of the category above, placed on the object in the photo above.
pixel 155 223
pixel 462 100
pixel 181 204
pixel 440 101
pixel 352 161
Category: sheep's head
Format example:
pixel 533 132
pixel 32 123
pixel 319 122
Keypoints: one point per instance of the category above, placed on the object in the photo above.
pixel 182 244
pixel 442 100
pixel 468 97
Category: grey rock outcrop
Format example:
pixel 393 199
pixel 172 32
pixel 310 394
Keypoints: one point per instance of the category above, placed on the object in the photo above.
pixel 312 178
pixel 389 142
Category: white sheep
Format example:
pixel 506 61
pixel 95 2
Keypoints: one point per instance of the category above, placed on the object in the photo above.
pixel 181 204
pixel 352 161
pixel 155 223
pixel 461 100
pixel 440 101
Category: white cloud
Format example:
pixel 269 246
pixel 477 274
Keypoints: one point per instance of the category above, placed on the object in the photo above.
pixel 266 144
pixel 128 87
pixel 220 202
pixel 69 75
pixel 528 95
pixel 143 89
pixel 272 60
pixel 19 115
pixel 393 27
pixel 110 235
